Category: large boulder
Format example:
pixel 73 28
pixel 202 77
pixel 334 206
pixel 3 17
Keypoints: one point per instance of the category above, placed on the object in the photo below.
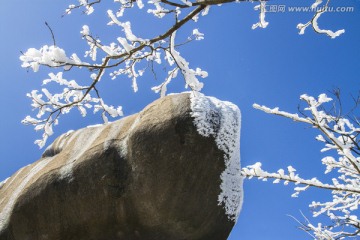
pixel 170 172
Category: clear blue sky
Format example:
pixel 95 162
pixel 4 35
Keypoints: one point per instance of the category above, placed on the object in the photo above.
pixel 272 66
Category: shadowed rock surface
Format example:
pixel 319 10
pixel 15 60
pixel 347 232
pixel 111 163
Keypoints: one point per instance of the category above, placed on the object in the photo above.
pixel 149 176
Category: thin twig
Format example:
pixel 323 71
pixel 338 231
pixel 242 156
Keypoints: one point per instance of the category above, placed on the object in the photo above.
pixel 52 33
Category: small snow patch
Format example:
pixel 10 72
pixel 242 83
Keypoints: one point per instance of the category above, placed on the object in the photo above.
pixel 3 183
pixel 221 120
pixel 95 126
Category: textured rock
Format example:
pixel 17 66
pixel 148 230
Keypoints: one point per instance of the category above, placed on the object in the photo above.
pixel 155 175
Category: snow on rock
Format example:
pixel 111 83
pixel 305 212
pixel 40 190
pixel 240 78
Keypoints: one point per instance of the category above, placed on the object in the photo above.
pixel 149 162
pixel 222 120
pixel 3 183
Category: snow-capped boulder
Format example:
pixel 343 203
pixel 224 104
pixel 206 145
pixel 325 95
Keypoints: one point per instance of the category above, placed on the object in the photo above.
pixel 168 172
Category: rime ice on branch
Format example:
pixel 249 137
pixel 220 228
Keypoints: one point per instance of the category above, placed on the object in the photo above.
pixel 337 133
pixel 128 55
pixel 314 21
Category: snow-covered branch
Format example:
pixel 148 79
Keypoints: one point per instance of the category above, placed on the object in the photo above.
pixel 128 55
pixel 122 57
pixel 262 8
pixel 291 176
pixel 338 133
pixel 314 21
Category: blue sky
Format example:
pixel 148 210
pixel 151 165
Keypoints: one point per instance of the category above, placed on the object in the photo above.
pixel 272 66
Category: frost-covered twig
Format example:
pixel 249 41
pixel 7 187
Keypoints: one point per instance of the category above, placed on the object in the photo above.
pixel 256 171
pixel 337 133
pixel 128 55
pixel 314 21
pixel 262 8
pixel 128 52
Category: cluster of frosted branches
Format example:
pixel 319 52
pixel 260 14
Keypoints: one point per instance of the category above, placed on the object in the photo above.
pixel 126 56
pixel 339 134
pixel 321 9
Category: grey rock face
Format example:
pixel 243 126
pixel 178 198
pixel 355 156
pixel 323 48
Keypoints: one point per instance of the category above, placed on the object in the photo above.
pixel 150 176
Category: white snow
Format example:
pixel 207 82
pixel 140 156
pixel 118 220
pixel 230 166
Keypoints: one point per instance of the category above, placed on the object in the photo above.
pixel 316 4
pixel 52 56
pixel 3 183
pixel 262 22
pixel 338 134
pixel 222 120
pixel 314 22
pixel 327 32
pixel 189 74
pixel 126 28
pixel 125 44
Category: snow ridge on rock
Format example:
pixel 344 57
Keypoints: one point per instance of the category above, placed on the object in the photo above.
pixel 222 120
